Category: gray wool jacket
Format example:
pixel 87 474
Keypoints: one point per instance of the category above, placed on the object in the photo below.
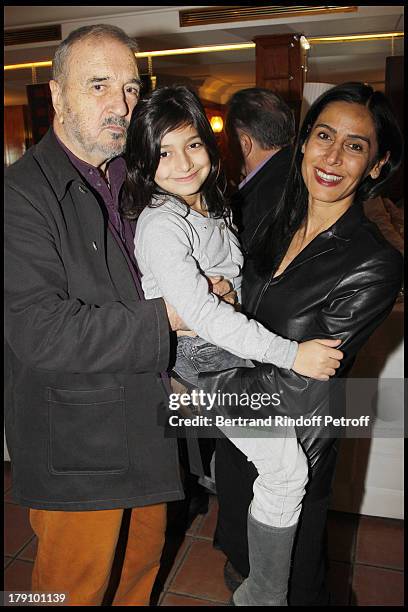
pixel 176 248
pixel 84 397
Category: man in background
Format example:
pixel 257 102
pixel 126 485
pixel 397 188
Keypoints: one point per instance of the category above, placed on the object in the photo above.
pixel 260 128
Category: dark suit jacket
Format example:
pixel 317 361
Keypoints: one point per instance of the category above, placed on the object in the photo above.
pixel 253 203
pixel 83 393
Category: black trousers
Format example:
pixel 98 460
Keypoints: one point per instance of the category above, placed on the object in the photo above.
pixel 235 477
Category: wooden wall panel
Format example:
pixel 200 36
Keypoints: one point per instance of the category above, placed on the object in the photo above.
pixel 279 67
pixel 16 133
pixel 41 109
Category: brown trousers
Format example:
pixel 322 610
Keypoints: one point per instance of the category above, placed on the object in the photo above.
pixel 76 551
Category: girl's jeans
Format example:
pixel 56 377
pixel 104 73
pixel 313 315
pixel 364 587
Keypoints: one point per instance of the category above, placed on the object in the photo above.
pixel 280 461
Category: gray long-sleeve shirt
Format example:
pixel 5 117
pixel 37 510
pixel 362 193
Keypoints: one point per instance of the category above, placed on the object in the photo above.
pixel 176 248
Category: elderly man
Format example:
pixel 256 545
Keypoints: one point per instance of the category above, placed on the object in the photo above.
pixel 84 350
pixel 261 127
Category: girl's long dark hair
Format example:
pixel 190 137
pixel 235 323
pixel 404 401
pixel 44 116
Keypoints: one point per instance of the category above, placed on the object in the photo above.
pixel 167 109
pixel 291 211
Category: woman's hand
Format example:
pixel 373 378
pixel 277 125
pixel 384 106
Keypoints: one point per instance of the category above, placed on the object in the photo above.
pixel 318 358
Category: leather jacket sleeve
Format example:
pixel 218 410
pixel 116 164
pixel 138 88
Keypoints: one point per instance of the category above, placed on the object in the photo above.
pixel 355 307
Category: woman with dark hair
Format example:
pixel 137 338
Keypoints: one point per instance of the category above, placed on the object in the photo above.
pixel 320 269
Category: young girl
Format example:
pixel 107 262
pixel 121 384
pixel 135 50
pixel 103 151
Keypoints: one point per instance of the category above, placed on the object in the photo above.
pixel 184 235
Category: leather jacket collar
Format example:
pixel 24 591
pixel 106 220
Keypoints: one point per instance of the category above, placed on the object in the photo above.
pixel 348 222
pixel 336 236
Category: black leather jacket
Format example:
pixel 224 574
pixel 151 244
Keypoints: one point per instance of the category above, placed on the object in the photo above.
pixel 342 285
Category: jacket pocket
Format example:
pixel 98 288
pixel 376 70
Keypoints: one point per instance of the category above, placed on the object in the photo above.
pixel 87 431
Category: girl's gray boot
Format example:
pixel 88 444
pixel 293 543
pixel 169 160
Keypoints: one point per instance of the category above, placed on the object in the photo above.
pixel 270 551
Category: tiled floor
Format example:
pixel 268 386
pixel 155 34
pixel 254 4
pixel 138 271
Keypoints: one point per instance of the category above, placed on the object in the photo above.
pixel 366 559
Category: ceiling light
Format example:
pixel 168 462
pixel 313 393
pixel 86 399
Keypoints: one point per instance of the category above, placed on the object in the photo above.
pixel 354 37
pixel 190 50
pixel 217 124
pixel 30 65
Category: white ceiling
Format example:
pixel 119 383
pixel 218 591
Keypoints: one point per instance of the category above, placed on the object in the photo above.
pixel 217 75
pixel 33 15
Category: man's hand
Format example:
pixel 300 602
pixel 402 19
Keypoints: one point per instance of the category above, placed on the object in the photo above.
pixel 223 289
pixel 176 323
pixel 318 359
